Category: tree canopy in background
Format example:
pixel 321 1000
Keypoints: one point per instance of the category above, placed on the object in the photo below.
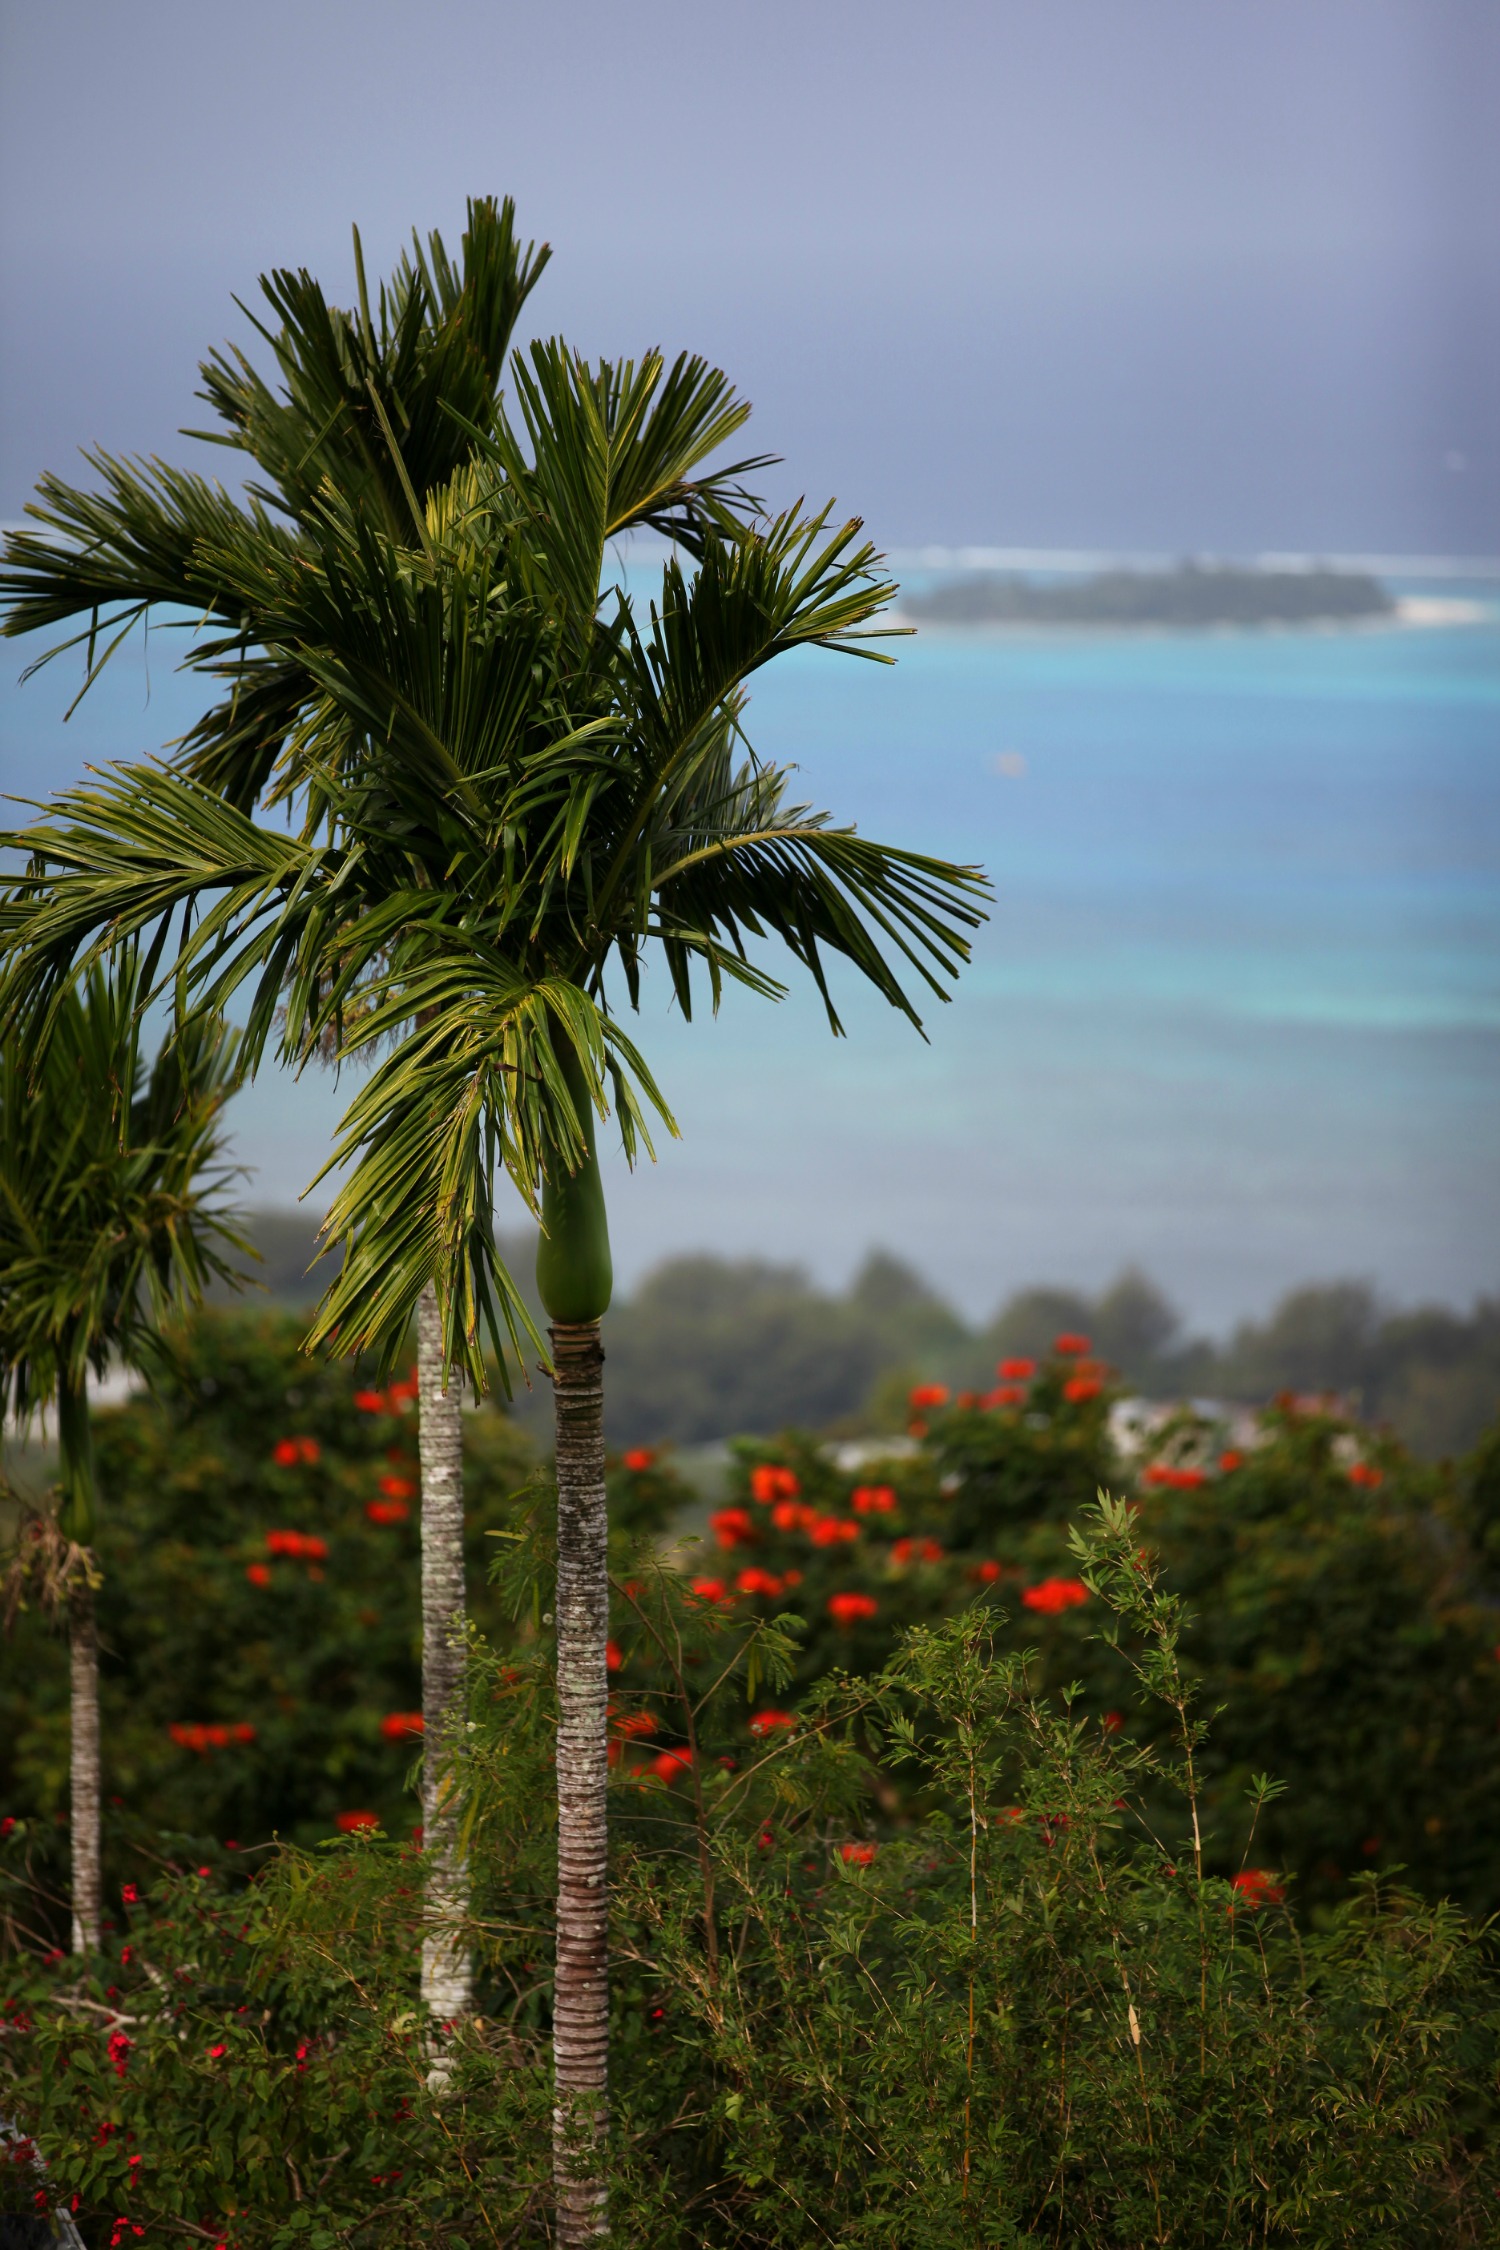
pixel 706 1346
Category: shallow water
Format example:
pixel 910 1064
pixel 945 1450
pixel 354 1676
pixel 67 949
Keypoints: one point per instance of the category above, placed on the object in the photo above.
pixel 1236 1015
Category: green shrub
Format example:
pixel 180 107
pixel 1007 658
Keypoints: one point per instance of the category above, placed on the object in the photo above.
pixel 1015 2020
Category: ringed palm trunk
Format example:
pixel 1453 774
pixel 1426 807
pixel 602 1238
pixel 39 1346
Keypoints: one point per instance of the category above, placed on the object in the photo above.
pixel 83 1639
pixel 447 1987
pixel 76 1451
pixel 574 1277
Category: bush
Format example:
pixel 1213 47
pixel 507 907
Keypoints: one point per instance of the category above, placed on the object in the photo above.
pixel 1014 2020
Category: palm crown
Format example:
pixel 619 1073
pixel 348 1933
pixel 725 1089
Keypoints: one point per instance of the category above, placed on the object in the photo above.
pixel 112 1203
pixel 508 784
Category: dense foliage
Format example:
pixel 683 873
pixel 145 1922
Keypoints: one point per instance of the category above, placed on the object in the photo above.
pixel 1017 2021
pixel 896 1727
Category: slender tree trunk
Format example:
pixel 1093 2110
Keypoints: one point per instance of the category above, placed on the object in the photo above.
pixel 84 1811
pixel 581 2007
pixel 447 1987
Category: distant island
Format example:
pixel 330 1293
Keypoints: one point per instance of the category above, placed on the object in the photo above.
pixel 1195 594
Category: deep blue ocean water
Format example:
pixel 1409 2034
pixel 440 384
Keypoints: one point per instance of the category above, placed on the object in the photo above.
pixel 1236 1016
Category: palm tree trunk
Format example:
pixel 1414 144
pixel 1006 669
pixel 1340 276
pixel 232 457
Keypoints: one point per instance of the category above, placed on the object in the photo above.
pixel 447 1986
pixel 84 1808
pixel 581 2005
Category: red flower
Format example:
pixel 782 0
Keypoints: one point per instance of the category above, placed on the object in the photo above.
pixel 1257 1889
pixel 284 1453
pixel 640 1457
pixel 259 1574
pixel 387 1511
pixel 1017 1370
pixel 370 1402
pixel 1055 1595
pixel 929 1394
pixel 1180 1480
pixel 711 1590
pixel 1004 1394
pixel 967 1400
pixel 1080 1387
pixel 987 1571
pixel 1361 1473
pixel 858 1855
pixel 925 1550
pixel 399 1724
pixel 832 1531
pixel 768 1483
pixel 349 1822
pixel 612 1657
pixel 767 1722
pixel 1113 1721
pixel 1069 1346
pixel 793 1515
pixel 732 1527
pixel 1229 1462
pixel 872 1500
pixel 397 1488
pixel 758 1582
pixel 215 2052
pixel 300 1545
pixel 848 1609
pixel 241 1733
pixel 637 1722
pixel 119 2049
pixel 791 1578
pixel 671 1765
pixel 130 1894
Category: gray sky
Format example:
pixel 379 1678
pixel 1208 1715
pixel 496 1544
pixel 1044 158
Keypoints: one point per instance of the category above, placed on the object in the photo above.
pixel 1172 274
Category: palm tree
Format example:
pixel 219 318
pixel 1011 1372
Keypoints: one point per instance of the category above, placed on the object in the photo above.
pixel 512 787
pixel 434 349
pixel 110 1218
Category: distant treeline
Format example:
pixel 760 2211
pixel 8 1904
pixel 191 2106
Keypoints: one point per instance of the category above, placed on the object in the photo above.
pixel 707 1347
pixel 1194 595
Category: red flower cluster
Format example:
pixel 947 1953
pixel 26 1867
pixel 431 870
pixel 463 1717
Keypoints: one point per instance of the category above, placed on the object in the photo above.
pixel 1080 1387
pixel 399 1724
pixel 1360 1472
pixel 848 1609
pixel 872 1500
pixel 1016 1370
pixel 348 1822
pixel 1055 1595
pixel 203 1739
pixel 387 1511
pixel 832 1531
pixel 767 1722
pixel 1180 1480
pixel 672 1765
pixel 301 1546
pixel 288 1451
pixel 640 1457
pixel 755 1581
pixel 398 1488
pixel 858 1855
pixel 711 1590
pixel 1229 1462
pixel 393 1400
pixel 732 1527
pixel 793 1515
pixel 768 1483
pixel 1069 1346
pixel 925 1550
pixel 1257 1889
pixel 986 1572
pixel 1004 1394
pixel 259 1574
pixel 631 1723
pixel 929 1394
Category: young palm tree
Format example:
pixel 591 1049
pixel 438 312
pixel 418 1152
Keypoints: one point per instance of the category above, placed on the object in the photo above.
pixel 428 362
pixel 512 785
pixel 111 1216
